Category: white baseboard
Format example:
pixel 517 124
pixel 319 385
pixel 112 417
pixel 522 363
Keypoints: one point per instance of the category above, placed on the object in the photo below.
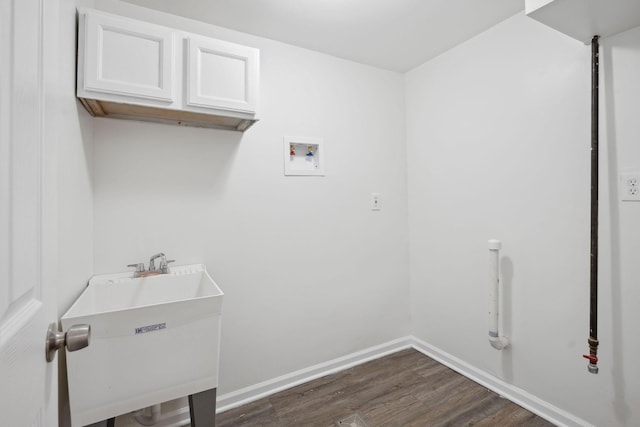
pixel 249 394
pixel 525 399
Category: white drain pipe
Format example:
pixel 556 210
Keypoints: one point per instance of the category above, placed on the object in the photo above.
pixel 148 420
pixel 496 326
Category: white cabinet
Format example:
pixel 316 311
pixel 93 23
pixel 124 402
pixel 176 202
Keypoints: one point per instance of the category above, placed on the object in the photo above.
pixel 220 75
pixel 138 70
pixel 128 58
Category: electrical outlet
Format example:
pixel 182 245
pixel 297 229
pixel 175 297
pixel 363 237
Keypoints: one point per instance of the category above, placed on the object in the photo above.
pixel 376 202
pixel 630 186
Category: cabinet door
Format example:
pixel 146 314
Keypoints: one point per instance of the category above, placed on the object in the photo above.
pixel 221 75
pixel 127 57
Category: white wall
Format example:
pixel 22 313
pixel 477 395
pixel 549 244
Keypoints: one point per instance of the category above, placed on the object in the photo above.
pixel 74 170
pixel 621 62
pixel 497 146
pixel 498 137
pixel 74 185
pixel 309 272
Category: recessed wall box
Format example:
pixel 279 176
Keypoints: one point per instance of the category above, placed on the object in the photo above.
pixel 303 156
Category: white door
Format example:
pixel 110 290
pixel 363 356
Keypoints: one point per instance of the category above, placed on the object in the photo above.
pixel 28 384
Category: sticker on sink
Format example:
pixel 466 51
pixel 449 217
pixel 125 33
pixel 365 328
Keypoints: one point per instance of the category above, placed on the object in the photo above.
pixel 150 328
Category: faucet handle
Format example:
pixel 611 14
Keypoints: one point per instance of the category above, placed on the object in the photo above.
pixel 139 267
pixel 164 267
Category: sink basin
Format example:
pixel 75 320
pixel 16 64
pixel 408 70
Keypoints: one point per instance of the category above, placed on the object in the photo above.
pixel 153 339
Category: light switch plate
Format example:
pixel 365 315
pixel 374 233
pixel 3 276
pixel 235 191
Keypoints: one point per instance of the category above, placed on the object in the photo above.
pixel 376 202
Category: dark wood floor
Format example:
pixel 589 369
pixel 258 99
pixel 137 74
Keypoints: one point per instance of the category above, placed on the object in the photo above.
pixel 403 389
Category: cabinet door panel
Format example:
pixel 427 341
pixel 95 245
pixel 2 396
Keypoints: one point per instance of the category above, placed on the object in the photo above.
pixel 221 75
pixel 128 57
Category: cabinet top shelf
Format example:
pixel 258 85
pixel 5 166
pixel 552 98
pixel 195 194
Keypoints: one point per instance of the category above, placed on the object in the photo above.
pixel 583 19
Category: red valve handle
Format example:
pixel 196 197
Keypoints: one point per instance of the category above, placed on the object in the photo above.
pixel 592 358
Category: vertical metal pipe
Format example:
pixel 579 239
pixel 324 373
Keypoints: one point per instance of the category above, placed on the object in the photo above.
pixel 593 307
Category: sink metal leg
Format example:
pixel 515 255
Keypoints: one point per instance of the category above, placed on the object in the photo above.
pixel 111 422
pixel 202 408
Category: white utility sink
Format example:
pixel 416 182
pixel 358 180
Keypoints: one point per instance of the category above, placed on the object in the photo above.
pixel 153 339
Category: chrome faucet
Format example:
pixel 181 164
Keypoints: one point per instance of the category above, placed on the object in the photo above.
pixel 163 260
pixel 163 267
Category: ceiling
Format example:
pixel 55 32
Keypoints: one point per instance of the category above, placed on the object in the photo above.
pixel 396 35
